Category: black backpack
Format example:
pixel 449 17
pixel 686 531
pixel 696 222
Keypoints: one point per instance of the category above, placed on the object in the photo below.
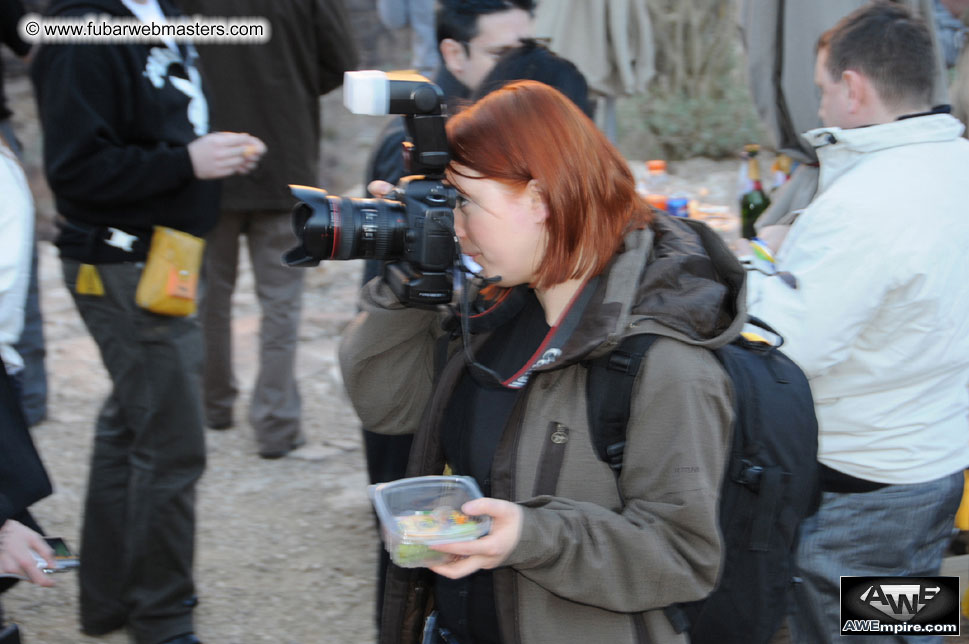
pixel 770 483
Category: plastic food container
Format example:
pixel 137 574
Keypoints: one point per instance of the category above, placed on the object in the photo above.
pixel 419 512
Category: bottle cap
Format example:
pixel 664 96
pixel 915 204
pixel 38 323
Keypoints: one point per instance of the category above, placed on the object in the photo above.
pixel 656 165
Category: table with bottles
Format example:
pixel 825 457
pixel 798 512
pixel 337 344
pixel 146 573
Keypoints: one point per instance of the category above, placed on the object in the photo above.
pixel 727 202
pixel 683 197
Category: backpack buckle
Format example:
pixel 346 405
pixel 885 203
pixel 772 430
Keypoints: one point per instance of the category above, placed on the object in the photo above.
pixel 749 475
pixel 624 362
pixel 614 452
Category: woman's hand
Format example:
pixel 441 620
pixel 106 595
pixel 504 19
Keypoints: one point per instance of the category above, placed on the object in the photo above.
pixel 491 550
pixel 16 543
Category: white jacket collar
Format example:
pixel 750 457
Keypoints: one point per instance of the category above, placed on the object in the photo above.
pixel 839 149
pixel 921 129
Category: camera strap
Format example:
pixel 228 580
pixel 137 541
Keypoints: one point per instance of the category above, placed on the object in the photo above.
pixel 550 349
pixel 482 374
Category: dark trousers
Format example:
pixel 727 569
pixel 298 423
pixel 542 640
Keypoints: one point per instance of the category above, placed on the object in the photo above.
pixel 137 540
pixel 386 461
pixel 32 349
pixel 9 634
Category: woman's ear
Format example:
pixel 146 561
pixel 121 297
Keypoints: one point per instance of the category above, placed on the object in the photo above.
pixel 536 200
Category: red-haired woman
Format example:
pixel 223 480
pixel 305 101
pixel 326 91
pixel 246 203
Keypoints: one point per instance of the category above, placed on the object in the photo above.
pixel 549 211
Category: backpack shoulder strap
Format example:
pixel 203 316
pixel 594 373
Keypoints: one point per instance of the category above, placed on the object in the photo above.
pixel 609 392
pixel 609 388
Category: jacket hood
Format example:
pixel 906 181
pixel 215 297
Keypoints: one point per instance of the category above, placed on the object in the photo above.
pixel 676 279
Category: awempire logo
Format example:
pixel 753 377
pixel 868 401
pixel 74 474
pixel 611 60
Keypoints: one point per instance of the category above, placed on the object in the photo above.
pixel 911 605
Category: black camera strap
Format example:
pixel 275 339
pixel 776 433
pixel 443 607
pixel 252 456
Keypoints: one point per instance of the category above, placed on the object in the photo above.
pixel 550 349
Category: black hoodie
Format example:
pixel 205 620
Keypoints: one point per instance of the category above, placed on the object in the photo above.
pixel 116 129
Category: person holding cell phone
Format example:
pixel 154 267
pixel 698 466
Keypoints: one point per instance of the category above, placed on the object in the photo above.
pixel 23 481
pixel 18 543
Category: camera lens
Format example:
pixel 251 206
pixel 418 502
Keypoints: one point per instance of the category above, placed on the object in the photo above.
pixel 343 228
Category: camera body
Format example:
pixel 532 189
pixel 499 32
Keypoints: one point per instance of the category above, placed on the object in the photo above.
pixel 412 230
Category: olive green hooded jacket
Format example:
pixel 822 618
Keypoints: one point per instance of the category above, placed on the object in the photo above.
pixel 598 559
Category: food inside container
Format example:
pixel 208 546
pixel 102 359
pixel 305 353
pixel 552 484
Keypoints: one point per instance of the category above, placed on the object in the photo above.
pixel 416 513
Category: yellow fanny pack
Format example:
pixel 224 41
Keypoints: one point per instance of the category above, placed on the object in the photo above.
pixel 169 283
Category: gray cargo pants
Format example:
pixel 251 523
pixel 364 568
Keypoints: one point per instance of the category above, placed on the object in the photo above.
pixel 138 535
pixel 274 409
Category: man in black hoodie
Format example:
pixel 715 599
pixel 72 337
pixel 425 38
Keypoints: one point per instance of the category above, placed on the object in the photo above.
pixel 126 148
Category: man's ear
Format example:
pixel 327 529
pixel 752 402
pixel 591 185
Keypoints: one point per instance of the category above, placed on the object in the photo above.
pixel 859 90
pixel 536 200
pixel 454 55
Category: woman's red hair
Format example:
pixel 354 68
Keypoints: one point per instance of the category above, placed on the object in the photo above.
pixel 528 130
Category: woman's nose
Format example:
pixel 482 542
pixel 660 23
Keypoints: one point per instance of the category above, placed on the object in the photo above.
pixel 459 224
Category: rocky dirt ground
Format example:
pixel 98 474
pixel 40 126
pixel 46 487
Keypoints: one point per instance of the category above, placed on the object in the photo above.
pixel 286 549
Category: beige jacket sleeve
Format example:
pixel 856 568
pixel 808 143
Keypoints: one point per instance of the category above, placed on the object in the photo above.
pixel 387 359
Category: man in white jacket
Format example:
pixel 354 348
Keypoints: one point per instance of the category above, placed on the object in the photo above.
pixel 16 239
pixel 874 306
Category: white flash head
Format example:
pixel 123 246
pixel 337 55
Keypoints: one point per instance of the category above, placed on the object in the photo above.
pixel 401 92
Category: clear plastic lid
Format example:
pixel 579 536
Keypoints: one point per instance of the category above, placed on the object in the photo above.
pixel 419 512
pixel 427 509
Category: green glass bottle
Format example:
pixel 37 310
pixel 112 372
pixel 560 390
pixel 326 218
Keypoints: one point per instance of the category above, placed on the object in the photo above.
pixel 755 200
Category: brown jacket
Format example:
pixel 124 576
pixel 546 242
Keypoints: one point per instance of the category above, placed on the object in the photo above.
pixel 272 90
pixel 594 563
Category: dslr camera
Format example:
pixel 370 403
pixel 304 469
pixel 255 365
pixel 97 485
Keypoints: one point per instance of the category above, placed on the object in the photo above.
pixel 412 230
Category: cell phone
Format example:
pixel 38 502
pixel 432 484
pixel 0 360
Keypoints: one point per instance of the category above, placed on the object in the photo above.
pixel 64 559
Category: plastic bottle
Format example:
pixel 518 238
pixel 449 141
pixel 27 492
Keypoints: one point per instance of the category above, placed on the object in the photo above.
pixel 780 171
pixel 755 200
pixel 678 205
pixel 744 184
pixel 655 185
